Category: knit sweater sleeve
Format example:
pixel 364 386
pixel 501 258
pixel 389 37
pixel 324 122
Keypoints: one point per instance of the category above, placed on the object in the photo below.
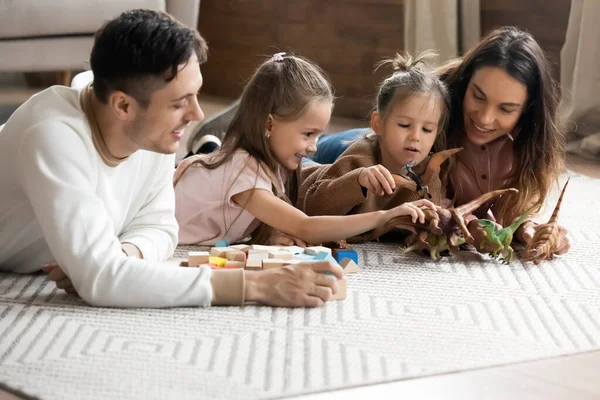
pixel 333 189
pixel 154 228
pixel 60 183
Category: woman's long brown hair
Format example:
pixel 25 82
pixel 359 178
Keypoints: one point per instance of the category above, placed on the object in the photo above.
pixel 540 146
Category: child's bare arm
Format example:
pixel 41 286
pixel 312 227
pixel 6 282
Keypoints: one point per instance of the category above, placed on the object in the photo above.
pixel 284 217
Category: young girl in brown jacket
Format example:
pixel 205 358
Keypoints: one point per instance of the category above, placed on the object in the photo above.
pixel 412 109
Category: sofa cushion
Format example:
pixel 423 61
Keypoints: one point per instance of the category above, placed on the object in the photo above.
pixel 35 18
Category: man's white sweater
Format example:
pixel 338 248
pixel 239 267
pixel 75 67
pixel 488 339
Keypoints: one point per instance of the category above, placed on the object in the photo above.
pixel 59 202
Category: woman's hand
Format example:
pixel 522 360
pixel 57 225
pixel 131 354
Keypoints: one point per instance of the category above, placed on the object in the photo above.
pixel 531 232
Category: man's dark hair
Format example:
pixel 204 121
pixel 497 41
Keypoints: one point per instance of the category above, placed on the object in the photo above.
pixel 140 51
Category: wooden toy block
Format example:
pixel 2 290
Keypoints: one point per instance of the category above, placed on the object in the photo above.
pixel 258 254
pixel 341 292
pixel 303 257
pixel 293 261
pixel 293 249
pixel 184 264
pixel 349 266
pixel 254 264
pixel 235 255
pixel 219 261
pixel 316 250
pixel 235 264
pixel 196 258
pixel 273 263
pixel 222 243
pixel 241 247
pixel 340 254
pixel 264 248
pixel 219 251
pixel 211 266
pixel 284 255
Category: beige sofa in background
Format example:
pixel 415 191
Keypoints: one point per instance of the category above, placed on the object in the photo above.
pixel 40 35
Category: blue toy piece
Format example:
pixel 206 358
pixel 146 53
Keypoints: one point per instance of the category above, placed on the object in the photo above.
pixel 323 255
pixel 222 243
pixel 340 254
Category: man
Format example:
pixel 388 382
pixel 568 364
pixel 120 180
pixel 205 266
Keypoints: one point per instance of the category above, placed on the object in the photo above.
pixel 86 180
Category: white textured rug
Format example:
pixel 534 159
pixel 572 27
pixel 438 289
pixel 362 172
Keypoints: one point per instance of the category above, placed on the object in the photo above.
pixel 405 316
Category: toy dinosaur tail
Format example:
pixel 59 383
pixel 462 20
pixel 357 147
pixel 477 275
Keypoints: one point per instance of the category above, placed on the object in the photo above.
pixel 545 239
pixel 516 224
pixel 474 204
pixel 554 216
pixel 436 162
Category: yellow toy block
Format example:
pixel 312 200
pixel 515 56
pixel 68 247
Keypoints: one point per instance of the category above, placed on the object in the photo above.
pixel 218 261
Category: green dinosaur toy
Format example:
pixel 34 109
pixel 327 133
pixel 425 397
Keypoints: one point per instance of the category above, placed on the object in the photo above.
pixel 498 241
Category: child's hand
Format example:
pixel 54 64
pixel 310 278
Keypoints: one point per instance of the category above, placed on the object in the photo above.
pixel 57 275
pixel 414 209
pixel 377 179
pixel 281 239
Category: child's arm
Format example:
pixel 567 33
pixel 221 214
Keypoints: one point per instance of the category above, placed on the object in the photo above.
pixel 337 188
pixel 269 209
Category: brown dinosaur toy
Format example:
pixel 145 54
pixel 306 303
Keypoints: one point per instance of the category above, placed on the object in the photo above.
pixel 445 228
pixel 544 240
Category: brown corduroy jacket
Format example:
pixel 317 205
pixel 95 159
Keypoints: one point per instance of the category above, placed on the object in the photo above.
pixel 333 189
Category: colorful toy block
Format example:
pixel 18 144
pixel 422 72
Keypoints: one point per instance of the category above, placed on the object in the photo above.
pixel 342 290
pixel 273 263
pixel 259 257
pixel 254 264
pixel 219 261
pixel 234 264
pixel 241 247
pixel 316 250
pixel 235 255
pixel 219 251
pixel 196 258
pixel 222 243
pixel 281 254
pixel 349 266
pixel 340 254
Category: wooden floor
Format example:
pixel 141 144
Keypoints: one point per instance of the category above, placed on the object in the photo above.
pixel 570 377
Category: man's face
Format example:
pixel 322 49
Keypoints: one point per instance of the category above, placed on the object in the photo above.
pixel 160 126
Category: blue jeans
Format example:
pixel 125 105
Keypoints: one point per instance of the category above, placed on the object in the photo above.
pixel 330 147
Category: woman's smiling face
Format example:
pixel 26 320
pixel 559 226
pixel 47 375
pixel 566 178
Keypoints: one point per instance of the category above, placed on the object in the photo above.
pixel 493 104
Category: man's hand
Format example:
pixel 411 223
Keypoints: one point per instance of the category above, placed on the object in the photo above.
pixel 377 179
pixel 299 285
pixel 281 239
pixel 57 275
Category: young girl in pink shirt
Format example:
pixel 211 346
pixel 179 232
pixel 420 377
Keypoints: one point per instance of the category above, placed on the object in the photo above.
pixel 247 188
